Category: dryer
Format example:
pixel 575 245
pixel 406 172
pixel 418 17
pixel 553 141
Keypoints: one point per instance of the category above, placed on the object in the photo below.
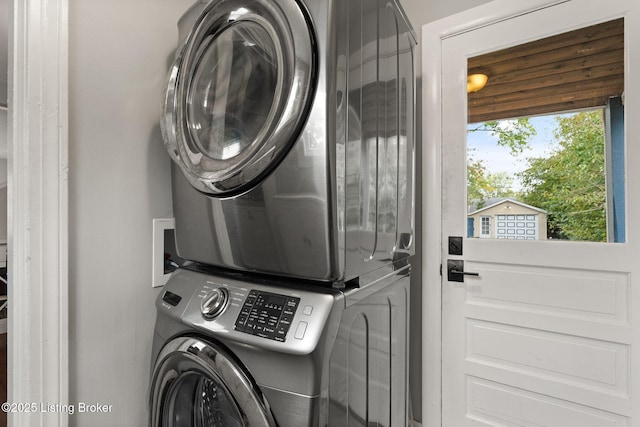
pixel 291 129
pixel 275 353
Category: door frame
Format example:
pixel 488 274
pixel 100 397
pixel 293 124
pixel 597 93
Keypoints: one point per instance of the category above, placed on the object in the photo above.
pixel 38 345
pixel 432 36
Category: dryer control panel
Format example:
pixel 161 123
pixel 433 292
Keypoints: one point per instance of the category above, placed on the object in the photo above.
pixel 267 315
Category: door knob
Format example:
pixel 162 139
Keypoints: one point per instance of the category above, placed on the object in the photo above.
pixel 455 271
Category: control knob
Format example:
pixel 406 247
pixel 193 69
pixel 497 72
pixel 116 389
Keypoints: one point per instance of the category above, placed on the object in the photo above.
pixel 214 303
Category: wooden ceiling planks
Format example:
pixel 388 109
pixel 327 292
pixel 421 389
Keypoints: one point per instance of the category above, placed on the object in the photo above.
pixel 570 71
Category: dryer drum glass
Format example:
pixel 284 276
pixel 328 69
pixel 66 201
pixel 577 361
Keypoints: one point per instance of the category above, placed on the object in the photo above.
pixel 233 91
pixel 197 400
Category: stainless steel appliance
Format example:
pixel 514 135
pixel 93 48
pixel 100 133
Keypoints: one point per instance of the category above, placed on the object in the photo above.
pixel 291 129
pixel 272 353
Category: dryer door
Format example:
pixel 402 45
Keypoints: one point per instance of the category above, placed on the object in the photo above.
pixel 239 92
pixel 196 384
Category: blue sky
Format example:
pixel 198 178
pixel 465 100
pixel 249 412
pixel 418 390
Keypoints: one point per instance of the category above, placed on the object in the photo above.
pixel 499 159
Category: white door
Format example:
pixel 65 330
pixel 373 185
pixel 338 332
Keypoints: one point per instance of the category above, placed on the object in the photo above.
pixel 546 334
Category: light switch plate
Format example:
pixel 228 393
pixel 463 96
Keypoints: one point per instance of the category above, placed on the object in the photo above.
pixel 158 276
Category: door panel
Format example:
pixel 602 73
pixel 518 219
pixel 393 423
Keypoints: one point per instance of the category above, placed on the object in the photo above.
pixel 543 336
pixel 495 403
pixel 551 292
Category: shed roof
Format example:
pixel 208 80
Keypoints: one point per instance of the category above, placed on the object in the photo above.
pixel 496 202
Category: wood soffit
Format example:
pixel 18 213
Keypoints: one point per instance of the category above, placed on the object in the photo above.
pixel 570 71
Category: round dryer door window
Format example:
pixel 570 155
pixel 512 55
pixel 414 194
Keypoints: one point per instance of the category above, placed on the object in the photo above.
pixel 239 92
pixel 196 384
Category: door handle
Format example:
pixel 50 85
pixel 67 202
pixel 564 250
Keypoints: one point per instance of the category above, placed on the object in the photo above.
pixel 455 271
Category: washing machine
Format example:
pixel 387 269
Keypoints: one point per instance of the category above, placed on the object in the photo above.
pixel 231 352
pixel 291 129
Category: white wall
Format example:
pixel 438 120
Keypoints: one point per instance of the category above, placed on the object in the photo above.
pixel 3 208
pixel 422 12
pixel 119 180
pixel 3 138
pixel 4 57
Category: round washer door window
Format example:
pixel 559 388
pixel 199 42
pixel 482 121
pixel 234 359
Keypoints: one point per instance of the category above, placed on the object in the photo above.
pixel 197 400
pixel 238 94
pixel 196 384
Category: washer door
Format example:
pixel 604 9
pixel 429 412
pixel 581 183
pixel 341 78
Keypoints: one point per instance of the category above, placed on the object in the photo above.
pixel 195 384
pixel 239 92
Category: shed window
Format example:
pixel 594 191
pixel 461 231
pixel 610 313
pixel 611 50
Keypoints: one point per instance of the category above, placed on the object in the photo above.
pixel 485 226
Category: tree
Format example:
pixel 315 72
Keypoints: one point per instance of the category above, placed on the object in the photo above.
pixel 481 184
pixel 501 185
pixel 514 133
pixel 570 183
pixel 477 183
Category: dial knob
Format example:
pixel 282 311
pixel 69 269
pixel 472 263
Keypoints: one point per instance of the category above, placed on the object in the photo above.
pixel 214 303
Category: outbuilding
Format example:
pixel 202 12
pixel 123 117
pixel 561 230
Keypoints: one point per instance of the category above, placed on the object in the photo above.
pixel 508 219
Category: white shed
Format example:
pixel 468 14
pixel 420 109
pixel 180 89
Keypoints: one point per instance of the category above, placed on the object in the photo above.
pixel 508 219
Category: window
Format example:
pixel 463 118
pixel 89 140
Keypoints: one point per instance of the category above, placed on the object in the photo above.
pixel 485 226
pixel 557 160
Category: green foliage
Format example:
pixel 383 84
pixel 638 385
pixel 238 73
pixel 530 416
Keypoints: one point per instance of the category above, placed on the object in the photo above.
pixel 501 185
pixel 513 134
pixel 483 185
pixel 477 183
pixel 570 183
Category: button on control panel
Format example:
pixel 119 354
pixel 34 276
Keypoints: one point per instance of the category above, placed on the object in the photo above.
pixel 267 315
pixel 300 330
pixel 214 303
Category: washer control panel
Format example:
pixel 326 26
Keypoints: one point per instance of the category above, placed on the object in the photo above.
pixel 267 315
pixel 214 303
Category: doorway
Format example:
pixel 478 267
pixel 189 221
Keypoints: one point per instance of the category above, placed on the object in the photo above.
pixel 4 61
pixel 541 334
pixel 38 330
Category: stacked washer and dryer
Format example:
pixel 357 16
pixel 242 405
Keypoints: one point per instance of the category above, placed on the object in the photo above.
pixel 291 129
